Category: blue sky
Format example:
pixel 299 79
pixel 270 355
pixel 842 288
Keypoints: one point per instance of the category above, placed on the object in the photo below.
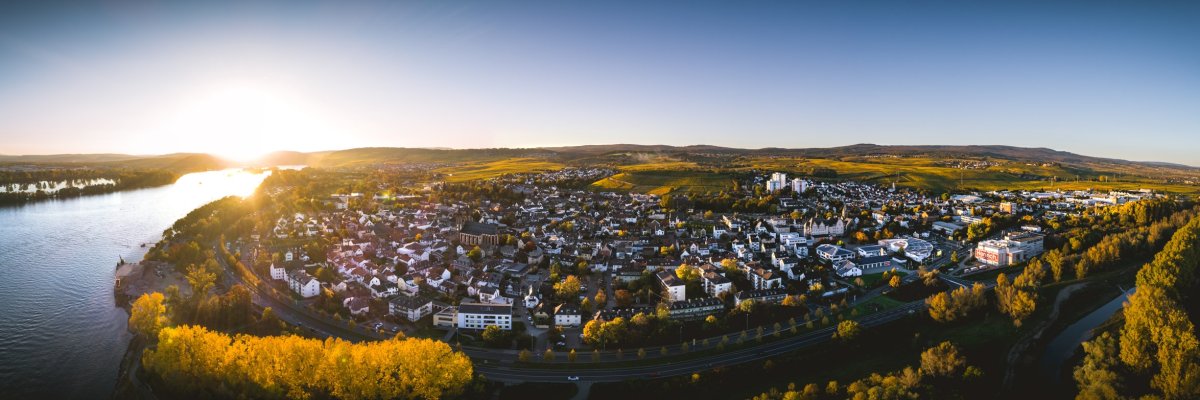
pixel 1113 79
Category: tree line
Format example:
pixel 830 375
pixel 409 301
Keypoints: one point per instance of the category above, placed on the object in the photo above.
pixel 1156 352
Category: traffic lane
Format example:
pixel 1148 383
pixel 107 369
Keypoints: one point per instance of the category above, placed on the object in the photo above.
pixel 690 366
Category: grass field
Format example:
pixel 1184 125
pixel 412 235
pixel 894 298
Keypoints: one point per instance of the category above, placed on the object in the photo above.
pixel 926 173
pixel 665 181
pixel 485 170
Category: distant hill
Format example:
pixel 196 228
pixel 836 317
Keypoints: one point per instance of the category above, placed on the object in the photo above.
pixel 68 158
pixel 177 163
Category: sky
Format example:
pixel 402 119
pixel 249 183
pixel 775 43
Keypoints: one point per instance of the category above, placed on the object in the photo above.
pixel 238 79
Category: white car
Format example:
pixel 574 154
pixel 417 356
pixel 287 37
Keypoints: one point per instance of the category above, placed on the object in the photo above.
pixel 572 378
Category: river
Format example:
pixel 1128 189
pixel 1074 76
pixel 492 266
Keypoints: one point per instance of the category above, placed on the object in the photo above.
pixel 1063 346
pixel 61 333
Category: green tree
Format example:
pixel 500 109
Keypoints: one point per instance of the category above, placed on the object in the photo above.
pixel 1096 374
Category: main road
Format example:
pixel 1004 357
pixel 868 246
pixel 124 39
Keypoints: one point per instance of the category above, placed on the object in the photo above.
pixel 559 372
pixel 498 365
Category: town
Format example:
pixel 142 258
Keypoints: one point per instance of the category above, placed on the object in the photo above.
pixel 554 267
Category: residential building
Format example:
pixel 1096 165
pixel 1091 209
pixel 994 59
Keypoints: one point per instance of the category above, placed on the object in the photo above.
pixel 672 286
pixel 761 295
pixel 567 315
pixel 695 308
pixel 412 308
pixel 715 284
pixel 303 284
pixel 480 316
pixel 831 253
pixel 278 272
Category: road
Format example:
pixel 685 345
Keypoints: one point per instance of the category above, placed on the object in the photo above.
pixel 497 364
pixel 505 372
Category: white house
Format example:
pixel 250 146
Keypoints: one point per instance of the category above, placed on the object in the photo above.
pixel 278 273
pixel 412 308
pixel 357 305
pixel 673 286
pixel 833 253
pixel 480 316
pixel 846 269
pixel 567 315
pixel 304 284
pixel 715 284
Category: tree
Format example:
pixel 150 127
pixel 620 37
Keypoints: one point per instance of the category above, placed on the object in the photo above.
pixel 1018 302
pixel 496 337
pixel 847 330
pixel 687 273
pixel 624 298
pixel 568 288
pixel 586 305
pixel 148 315
pixel 1057 262
pixel 571 356
pixel 954 257
pixel 895 282
pixel 601 299
pixel 943 360
pixel 195 360
pixel 1096 375
pixel 641 353
pixel 475 254
pixel 524 356
pixel 201 281
pixel 548 355
pixel 729 265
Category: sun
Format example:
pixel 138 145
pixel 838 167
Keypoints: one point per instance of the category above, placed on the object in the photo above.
pixel 245 121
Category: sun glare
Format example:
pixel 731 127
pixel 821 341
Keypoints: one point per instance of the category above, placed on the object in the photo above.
pixel 243 122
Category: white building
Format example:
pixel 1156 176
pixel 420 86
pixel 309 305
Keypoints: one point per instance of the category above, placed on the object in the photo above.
pixel 715 284
pixel 676 291
pixel 1014 249
pixel 412 308
pixel 567 315
pixel 480 316
pixel 278 273
pixel 778 181
pixel 833 253
pixel 303 284
pixel 799 185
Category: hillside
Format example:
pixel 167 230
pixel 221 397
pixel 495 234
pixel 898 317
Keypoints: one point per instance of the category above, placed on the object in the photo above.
pixel 666 169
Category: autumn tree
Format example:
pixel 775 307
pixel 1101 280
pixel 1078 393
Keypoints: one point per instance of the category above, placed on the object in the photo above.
pixel 148 315
pixel 568 288
pixel 1016 302
pixel 847 330
pixel 1096 375
pixel 895 282
pixel 203 363
pixel 942 360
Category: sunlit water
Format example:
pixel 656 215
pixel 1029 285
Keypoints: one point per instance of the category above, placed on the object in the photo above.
pixel 61 334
